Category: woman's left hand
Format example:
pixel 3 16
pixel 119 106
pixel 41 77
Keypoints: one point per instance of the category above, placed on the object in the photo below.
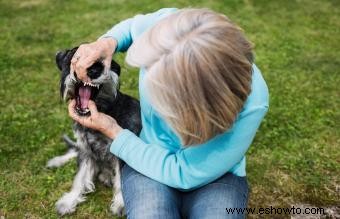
pixel 97 120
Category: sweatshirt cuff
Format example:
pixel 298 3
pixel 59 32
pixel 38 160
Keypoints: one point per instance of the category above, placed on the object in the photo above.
pixel 119 47
pixel 119 142
pixel 121 33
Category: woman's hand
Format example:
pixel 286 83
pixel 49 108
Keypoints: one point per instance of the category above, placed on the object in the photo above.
pixel 97 120
pixel 89 53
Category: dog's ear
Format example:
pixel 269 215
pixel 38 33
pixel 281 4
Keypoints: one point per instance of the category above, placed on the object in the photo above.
pixel 115 67
pixel 59 57
pixel 63 58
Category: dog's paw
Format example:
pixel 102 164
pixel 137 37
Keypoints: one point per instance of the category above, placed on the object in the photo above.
pixel 59 161
pixel 117 205
pixel 67 204
pixel 117 210
pixel 53 163
pixel 105 179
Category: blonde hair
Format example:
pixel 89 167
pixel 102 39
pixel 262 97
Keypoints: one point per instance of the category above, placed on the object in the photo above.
pixel 198 72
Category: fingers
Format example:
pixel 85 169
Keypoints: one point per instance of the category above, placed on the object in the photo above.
pixel 84 57
pixel 80 68
pixel 71 68
pixel 76 56
pixel 72 112
pixel 93 108
pixel 97 121
pixel 107 63
pixel 87 121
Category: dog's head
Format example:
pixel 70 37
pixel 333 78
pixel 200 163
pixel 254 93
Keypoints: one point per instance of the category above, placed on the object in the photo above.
pixel 103 83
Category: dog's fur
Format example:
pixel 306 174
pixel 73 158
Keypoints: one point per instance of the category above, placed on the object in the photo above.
pixel 92 148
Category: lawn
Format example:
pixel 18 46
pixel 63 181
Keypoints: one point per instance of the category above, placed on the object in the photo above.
pixel 294 159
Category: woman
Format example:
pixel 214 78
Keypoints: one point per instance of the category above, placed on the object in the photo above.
pixel 202 100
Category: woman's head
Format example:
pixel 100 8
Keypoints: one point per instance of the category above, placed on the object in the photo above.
pixel 198 71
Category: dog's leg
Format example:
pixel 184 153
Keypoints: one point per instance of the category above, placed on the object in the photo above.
pixel 68 141
pixel 117 205
pixel 59 161
pixel 83 183
pixel 63 159
pixel 106 177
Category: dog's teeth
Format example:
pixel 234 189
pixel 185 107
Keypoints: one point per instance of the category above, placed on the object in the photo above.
pixel 90 84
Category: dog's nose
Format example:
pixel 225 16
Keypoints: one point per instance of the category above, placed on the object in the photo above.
pixel 95 70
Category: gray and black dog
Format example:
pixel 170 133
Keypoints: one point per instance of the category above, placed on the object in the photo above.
pixel 92 148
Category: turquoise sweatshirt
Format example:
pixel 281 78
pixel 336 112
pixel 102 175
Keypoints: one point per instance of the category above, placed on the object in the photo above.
pixel 158 153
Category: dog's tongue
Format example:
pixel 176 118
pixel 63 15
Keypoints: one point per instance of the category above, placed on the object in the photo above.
pixel 84 94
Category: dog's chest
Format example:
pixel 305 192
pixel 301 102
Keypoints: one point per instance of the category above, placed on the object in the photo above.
pixel 92 143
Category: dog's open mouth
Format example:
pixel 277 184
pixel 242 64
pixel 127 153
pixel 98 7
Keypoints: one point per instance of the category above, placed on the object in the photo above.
pixel 84 93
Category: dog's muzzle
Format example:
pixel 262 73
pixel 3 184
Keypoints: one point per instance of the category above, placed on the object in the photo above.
pixel 84 92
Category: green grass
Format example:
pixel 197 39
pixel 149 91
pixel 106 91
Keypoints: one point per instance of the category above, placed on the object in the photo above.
pixel 294 159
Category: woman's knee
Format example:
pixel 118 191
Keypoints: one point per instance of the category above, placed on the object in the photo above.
pixel 147 198
pixel 217 199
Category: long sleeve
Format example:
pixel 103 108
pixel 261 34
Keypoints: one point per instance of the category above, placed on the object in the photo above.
pixel 195 166
pixel 126 31
pixel 157 154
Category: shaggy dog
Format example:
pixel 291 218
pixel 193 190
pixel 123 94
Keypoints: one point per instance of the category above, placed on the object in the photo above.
pixel 92 148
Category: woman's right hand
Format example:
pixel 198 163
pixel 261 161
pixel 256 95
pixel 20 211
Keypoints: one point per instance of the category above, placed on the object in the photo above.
pixel 89 53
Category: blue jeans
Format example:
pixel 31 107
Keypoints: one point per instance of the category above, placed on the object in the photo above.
pixel 148 199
